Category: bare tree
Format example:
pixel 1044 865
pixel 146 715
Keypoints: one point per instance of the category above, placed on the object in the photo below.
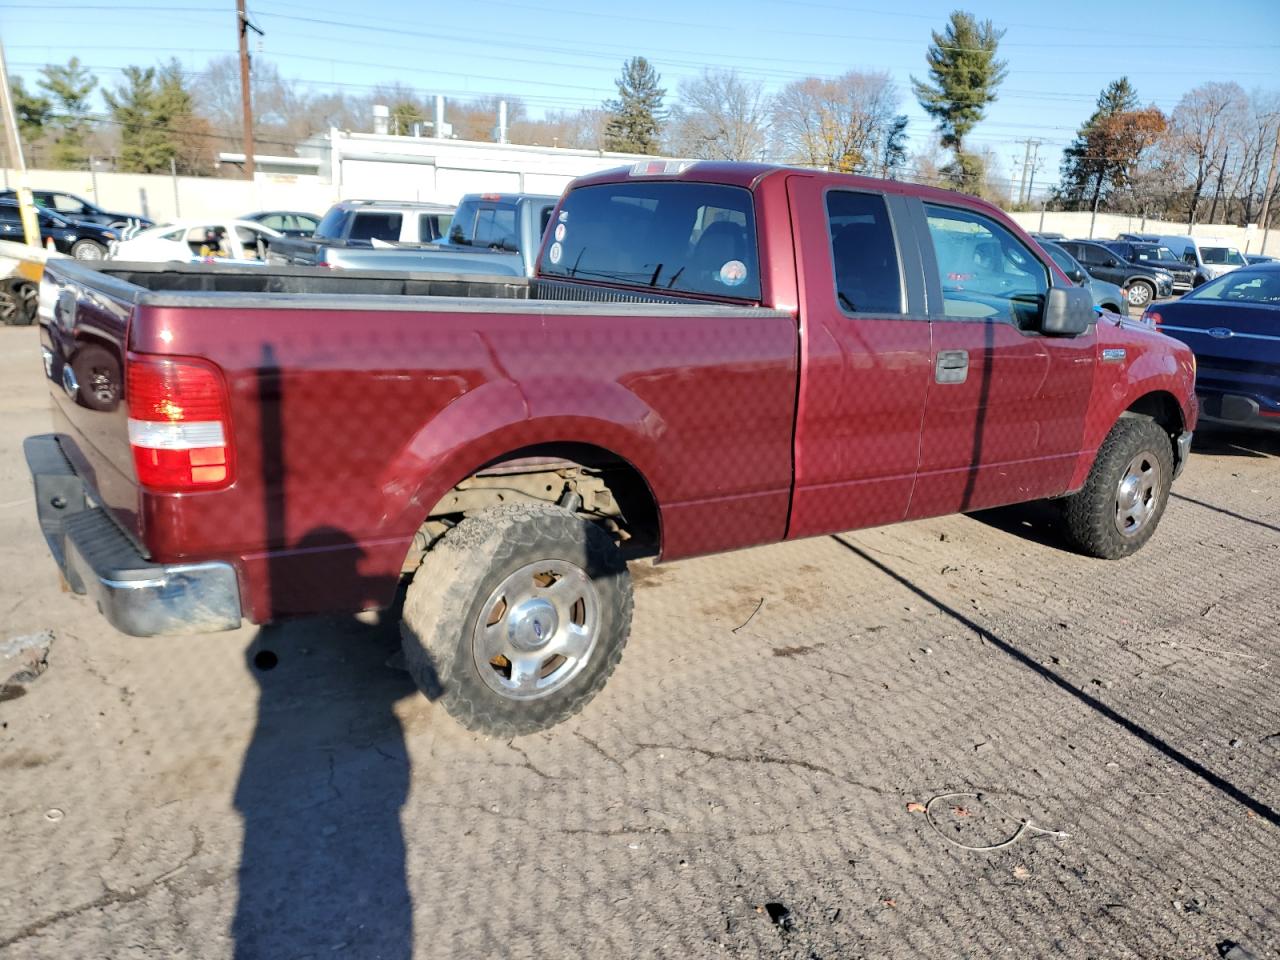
pixel 839 124
pixel 720 116
pixel 1200 134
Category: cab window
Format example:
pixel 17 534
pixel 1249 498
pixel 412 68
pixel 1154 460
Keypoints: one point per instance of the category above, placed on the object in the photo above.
pixel 369 226
pixel 986 272
pixel 864 256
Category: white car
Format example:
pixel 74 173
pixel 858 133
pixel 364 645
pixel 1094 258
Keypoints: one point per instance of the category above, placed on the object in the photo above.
pixel 198 241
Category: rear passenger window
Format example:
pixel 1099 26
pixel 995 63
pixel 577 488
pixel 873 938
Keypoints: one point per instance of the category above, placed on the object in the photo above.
pixel 376 226
pixel 863 254
pixel 986 272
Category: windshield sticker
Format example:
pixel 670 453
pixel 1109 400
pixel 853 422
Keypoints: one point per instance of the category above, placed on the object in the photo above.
pixel 733 273
pixel 560 232
pixel 564 215
pixel 555 253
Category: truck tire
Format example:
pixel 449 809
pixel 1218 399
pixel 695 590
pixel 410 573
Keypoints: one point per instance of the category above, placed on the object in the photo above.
pixel 1141 293
pixel 517 617
pixel 1124 498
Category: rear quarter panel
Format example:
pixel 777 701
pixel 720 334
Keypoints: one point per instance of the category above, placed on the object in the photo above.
pixel 349 425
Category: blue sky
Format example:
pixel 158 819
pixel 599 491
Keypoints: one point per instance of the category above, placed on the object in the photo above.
pixel 564 56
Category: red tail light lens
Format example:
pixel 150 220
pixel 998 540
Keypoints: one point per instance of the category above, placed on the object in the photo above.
pixel 179 424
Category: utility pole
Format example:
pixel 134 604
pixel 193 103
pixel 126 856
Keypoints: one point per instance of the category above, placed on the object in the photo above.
pixel 1028 160
pixel 13 142
pixel 1271 187
pixel 243 26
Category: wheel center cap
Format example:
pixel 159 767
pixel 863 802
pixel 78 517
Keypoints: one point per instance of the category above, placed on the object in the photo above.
pixel 531 624
pixel 1129 493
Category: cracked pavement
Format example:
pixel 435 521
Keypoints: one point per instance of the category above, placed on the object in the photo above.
pixel 776 711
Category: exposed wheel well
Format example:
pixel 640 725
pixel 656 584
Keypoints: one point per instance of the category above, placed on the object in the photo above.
pixel 592 481
pixel 1162 407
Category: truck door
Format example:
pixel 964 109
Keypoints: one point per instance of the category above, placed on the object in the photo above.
pixel 1006 412
pixel 864 347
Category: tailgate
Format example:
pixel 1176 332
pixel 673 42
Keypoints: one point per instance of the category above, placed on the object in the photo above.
pixel 84 327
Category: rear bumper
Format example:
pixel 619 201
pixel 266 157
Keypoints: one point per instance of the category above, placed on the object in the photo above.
pixel 136 596
pixel 1236 410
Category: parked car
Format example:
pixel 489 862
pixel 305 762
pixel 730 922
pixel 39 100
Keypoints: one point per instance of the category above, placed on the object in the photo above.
pixel 1106 295
pixel 1158 257
pixel 287 223
pixel 1232 324
pixel 188 240
pixel 1042 236
pixel 72 207
pixel 364 224
pixel 1141 283
pixel 494 234
pixel 710 356
pixel 84 241
pixel 1209 257
pixel 1253 259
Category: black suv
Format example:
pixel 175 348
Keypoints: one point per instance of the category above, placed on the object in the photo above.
pixel 1141 283
pixel 71 207
pixel 84 241
pixel 1150 254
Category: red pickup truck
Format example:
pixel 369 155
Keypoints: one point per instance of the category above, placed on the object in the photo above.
pixel 710 356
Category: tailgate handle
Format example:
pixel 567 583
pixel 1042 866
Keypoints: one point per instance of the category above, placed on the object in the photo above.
pixel 952 366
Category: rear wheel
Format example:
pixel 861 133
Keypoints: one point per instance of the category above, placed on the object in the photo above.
pixel 18 304
pixel 1141 293
pixel 517 617
pixel 88 250
pixel 1122 502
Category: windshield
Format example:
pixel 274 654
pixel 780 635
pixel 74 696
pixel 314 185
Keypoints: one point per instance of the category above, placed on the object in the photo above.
pixel 1144 252
pixel 1222 255
pixel 691 237
pixel 1062 259
pixel 331 226
pixel 1242 286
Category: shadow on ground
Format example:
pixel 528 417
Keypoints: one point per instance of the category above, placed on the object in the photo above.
pixel 322 870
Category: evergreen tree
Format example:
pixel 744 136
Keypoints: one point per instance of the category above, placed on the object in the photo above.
pixel 69 87
pixel 636 116
pixel 154 110
pixel 893 152
pixel 1107 146
pixel 34 112
pixel 964 74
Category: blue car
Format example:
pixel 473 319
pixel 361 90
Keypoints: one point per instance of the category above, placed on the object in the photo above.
pixel 1233 325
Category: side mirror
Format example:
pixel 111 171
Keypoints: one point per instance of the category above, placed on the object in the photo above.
pixel 1113 262
pixel 1077 275
pixel 1068 311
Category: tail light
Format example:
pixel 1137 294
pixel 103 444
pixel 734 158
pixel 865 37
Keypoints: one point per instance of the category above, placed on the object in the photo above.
pixel 179 424
pixel 1153 318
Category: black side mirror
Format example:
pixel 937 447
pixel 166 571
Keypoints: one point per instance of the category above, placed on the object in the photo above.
pixel 1077 275
pixel 1068 311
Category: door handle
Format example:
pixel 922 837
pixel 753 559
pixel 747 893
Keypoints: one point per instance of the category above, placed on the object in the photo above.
pixel 952 366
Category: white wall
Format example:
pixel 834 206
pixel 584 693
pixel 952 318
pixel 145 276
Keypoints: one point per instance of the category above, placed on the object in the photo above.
pixel 1109 225
pixel 166 198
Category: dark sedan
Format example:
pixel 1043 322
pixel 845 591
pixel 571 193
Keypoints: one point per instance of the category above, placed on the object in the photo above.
pixel 291 223
pixel 72 207
pixel 84 241
pixel 1233 325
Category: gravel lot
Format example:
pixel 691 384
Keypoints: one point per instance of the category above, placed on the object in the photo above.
pixel 740 788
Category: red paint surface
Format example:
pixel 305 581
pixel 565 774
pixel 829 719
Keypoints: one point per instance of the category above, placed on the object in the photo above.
pixel 349 425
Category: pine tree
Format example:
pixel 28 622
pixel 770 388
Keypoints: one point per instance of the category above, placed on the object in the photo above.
pixel 1107 145
pixel 965 74
pixel 33 112
pixel 154 110
pixel 69 87
pixel 636 116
